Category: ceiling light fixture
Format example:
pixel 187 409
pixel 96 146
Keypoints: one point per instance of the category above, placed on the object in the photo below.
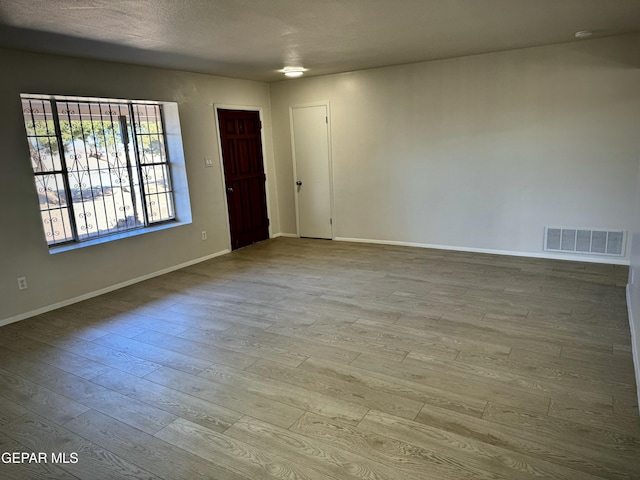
pixel 293 71
pixel 583 34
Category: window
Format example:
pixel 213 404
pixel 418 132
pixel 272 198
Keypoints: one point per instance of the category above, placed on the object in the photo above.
pixel 100 166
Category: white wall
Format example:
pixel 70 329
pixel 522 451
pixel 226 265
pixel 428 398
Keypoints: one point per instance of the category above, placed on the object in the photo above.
pixel 633 288
pixel 477 152
pixel 23 250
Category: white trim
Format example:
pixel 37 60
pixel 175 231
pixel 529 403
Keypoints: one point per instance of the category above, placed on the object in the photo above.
pixel 634 342
pixel 295 169
pixel 116 236
pixel 326 104
pixel 288 235
pixel 573 258
pixel 111 288
pixel 333 210
pixel 246 108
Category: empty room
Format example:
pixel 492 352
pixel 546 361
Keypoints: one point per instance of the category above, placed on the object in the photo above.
pixel 342 239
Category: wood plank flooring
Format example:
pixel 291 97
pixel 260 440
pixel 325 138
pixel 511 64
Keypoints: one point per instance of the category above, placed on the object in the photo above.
pixel 311 359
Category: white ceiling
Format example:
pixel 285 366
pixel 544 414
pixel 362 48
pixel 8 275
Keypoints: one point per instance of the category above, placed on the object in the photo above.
pixel 253 39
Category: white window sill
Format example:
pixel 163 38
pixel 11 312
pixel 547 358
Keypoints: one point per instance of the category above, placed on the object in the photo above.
pixel 116 236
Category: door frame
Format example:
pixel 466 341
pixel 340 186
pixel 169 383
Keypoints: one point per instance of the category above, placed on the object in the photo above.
pixel 326 104
pixel 245 108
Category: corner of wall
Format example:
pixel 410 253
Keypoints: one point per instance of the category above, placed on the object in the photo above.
pixel 634 342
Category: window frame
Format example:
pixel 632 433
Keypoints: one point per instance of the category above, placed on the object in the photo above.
pixel 176 193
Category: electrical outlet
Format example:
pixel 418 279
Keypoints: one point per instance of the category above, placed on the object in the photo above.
pixel 204 235
pixel 22 283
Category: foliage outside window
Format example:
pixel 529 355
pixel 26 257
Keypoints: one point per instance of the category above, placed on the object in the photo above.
pixel 100 166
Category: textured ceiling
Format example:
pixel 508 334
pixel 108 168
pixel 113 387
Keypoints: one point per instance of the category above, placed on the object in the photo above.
pixel 253 39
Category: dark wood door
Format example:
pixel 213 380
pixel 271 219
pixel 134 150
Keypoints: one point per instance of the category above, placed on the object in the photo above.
pixel 244 176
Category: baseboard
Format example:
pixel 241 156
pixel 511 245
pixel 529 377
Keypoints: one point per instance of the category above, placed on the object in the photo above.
pixel 111 288
pixel 288 235
pixel 550 256
pixel 634 342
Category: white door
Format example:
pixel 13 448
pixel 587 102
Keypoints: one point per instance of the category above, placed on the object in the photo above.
pixel 310 138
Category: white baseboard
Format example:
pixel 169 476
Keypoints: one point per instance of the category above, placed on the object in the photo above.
pixel 288 235
pixel 551 256
pixel 111 288
pixel 634 342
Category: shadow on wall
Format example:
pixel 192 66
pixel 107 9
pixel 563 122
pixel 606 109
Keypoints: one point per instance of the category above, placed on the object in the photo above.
pixel 41 41
pixel 621 57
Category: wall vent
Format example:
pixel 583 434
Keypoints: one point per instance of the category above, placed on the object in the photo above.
pixel 583 240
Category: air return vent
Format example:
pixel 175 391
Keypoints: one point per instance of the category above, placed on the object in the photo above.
pixel 582 240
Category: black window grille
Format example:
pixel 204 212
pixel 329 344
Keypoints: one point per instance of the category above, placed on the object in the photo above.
pixel 100 166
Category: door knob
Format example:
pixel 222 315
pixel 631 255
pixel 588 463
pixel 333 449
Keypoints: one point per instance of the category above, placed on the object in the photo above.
pixel 299 183
pixel 230 189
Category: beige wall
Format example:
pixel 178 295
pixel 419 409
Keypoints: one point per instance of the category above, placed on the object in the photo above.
pixel 477 152
pixel 23 250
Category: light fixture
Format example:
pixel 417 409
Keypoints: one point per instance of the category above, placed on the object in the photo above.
pixel 293 71
pixel 583 34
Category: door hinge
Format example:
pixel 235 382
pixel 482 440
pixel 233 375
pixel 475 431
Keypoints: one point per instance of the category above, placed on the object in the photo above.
pixel 268 222
pixel 331 221
pixel 260 124
pixel 326 120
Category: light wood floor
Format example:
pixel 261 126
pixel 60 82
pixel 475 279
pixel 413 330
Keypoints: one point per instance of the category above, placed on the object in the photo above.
pixel 309 359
